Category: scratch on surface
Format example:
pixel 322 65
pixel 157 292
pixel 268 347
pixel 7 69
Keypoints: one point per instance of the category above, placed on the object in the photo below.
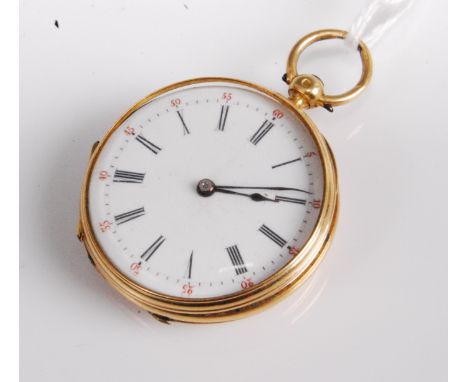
pixel 355 131
pixel 56 24
pixel 186 6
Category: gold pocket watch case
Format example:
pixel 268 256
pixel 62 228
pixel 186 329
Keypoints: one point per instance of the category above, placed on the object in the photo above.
pixel 212 198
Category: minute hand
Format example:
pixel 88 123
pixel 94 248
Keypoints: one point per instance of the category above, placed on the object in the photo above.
pixel 264 188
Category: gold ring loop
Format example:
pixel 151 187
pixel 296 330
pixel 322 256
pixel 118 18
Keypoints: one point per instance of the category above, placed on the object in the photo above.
pixel 307 90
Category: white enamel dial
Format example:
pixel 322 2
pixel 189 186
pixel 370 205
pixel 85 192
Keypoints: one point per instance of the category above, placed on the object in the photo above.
pixel 146 202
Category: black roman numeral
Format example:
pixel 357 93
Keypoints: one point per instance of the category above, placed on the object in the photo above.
pixel 272 235
pixel 236 260
pixel 284 163
pixel 121 176
pixel 290 200
pixel 127 216
pixel 186 130
pixel 153 248
pixel 222 117
pixel 189 266
pixel 261 132
pixel 149 145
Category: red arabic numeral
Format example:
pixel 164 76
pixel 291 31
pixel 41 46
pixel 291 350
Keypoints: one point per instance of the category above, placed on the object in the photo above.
pixel 247 283
pixel 310 154
pixel 175 102
pixel 105 225
pixel 293 251
pixel 227 96
pixel 316 203
pixel 103 175
pixel 187 289
pixel 278 114
pixel 129 130
pixel 135 267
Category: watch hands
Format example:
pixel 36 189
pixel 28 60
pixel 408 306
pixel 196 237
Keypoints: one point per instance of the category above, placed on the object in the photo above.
pixel 207 187
pixel 264 188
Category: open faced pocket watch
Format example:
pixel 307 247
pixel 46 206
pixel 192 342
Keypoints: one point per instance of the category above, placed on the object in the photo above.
pixel 213 198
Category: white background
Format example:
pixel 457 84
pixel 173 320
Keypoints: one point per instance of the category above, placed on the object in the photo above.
pixel 375 310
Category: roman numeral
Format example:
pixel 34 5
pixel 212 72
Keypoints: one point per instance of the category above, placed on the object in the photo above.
pixel 222 117
pixel 261 132
pixel 121 176
pixel 153 248
pixel 236 259
pixel 272 235
pixel 186 130
pixel 284 163
pixel 189 267
pixel 290 200
pixel 127 216
pixel 149 145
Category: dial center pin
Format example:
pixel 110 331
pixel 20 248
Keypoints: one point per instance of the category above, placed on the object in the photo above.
pixel 206 187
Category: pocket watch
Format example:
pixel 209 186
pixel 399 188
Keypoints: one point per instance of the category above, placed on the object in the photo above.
pixel 212 198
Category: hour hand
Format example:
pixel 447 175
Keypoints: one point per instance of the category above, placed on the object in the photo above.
pixel 256 197
pixel 207 187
